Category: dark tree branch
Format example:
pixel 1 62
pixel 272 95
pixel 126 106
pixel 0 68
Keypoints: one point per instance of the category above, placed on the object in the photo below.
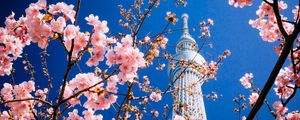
pixel 27 99
pixel 271 4
pixel 69 66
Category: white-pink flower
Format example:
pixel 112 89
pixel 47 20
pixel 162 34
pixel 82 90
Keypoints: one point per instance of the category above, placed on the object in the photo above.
pixel 280 109
pixel 293 116
pixel 285 82
pixel 58 25
pixel 246 80
pixel 70 32
pixel 92 20
pixel 61 7
pixel 253 97
pixel 240 3
pixel 6 91
pixel 155 96
pixel 210 21
pixel 101 26
pixel 74 115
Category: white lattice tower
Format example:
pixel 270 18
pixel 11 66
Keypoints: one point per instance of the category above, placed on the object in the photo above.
pixel 189 96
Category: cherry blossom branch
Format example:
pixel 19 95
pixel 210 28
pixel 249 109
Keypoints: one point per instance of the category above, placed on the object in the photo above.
pixel 120 107
pixel 83 51
pixel 270 109
pixel 43 55
pixel 28 99
pixel 86 89
pixel 292 95
pixel 69 66
pixel 128 100
pixel 66 108
pixel 12 78
pixel 289 40
pixel 33 113
pixel 289 22
pixel 271 4
pixel 77 11
pixel 62 42
pixel 139 25
pixel 278 19
pixel 129 95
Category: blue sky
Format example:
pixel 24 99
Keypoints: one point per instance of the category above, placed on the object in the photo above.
pixel 231 31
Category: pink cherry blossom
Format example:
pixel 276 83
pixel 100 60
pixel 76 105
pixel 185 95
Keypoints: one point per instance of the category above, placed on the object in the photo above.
pixel 111 57
pixel 6 91
pixel 4 115
pixel 266 22
pixel 210 21
pixel 70 32
pixel 240 3
pixel 94 100
pixel 89 115
pixel 245 80
pixel 61 7
pixel 101 27
pixel 12 43
pixel 42 4
pixel 164 42
pixel 74 115
pixel 147 39
pixel 280 109
pixel 293 116
pixel 19 110
pixel 92 20
pixel 41 93
pixel 112 84
pixel 58 25
pixel 146 80
pixel 253 97
pixel 155 96
pixel 284 83
pixel 84 80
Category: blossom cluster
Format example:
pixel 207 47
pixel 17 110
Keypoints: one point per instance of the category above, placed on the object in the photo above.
pixel 98 97
pixel 37 26
pixel 154 96
pixel 99 40
pixel 285 83
pixel 253 98
pixel 153 52
pixel 87 115
pixel 13 38
pixel 266 22
pixel 128 57
pixel 246 80
pixel 20 109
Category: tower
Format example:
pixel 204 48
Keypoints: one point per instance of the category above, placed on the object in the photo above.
pixel 189 98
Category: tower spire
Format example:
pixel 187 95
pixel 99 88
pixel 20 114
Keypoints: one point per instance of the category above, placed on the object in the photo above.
pixel 186 41
pixel 185 26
